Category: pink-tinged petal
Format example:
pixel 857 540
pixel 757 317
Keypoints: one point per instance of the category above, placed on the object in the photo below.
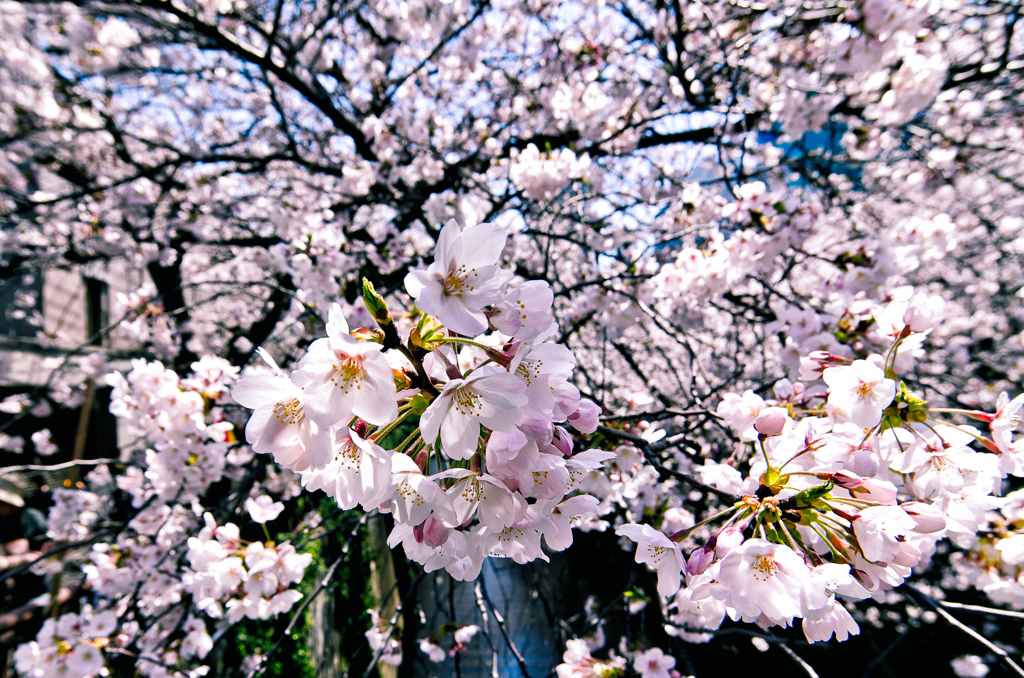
pixel 486 285
pixel 449 245
pixel 257 425
pixel 670 575
pixel 316 365
pixel 459 435
pixel 457 316
pixel 417 281
pixel 329 404
pixel 374 473
pixel 431 296
pixel 865 414
pixel 269 359
pixel 631 531
pixel 482 244
pixel 840 378
pixel 505 385
pixel 580 505
pixel 503 419
pixel 498 511
pixel 337 326
pixel 430 420
pixel 465 499
pixel 276 435
pixel 376 402
pixel 293 458
pixel 558 535
pixel 317 443
pixel 260 390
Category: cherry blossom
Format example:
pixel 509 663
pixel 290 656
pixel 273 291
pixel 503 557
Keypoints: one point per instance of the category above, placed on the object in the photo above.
pixel 343 377
pixel 488 397
pixel 463 278
pixel 859 392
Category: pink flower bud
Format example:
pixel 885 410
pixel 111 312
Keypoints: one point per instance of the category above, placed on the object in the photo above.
pixel 810 369
pixel 562 441
pixel 928 518
pixel 783 389
pixel 771 421
pixel 700 560
pixel 908 556
pixel 880 491
pixel 585 418
pixel 728 539
pixel 431 532
pixel 924 312
pixel 871 489
pixel 845 479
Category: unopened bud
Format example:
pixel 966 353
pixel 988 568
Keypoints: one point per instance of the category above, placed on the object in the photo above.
pixel 363 334
pixel 810 369
pixel 728 539
pixel 432 532
pixel 427 335
pixel 771 421
pixel 700 560
pixel 909 555
pixel 586 417
pixel 562 441
pixel 376 305
pixel 783 389
pixel 924 312
pixel 870 489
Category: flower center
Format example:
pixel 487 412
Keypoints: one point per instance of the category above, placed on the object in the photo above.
pixel 863 391
pixel 765 568
pixel 458 281
pixel 468 402
pixel 348 456
pixel 348 372
pixel 289 411
pixel 529 370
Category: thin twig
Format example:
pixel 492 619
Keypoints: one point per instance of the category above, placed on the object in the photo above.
pixel 880 657
pixel 504 632
pixel 937 607
pixel 663 470
pixel 14 571
pixel 995 612
pixel 391 626
pixel 58 467
pixel 795 657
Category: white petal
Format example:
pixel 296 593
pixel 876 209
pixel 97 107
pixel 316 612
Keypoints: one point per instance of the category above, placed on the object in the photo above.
pixel 459 435
pixel 376 402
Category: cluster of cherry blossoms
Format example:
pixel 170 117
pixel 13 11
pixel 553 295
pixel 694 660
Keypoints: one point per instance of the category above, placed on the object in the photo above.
pixel 70 646
pixel 258 573
pixel 851 481
pixel 489 467
pixel 185 447
pixel 706 197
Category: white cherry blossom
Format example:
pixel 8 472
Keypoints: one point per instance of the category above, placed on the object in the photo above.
pixel 859 392
pixel 463 277
pixel 488 397
pixel 343 377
